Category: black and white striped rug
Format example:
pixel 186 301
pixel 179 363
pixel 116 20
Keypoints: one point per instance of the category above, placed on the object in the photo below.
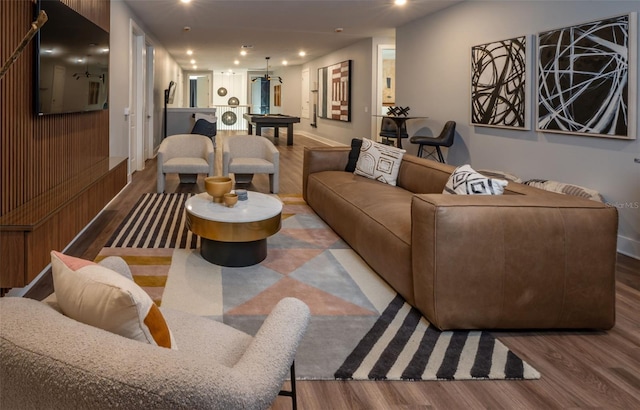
pixel 156 221
pixel 359 325
pixel 402 345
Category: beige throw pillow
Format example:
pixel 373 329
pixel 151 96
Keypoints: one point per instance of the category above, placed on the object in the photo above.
pixel 378 161
pixel 100 297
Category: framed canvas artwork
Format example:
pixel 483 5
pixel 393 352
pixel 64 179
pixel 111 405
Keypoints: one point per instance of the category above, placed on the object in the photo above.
pixel 586 79
pixel 334 91
pixel 500 83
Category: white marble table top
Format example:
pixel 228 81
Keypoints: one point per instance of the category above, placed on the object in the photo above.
pixel 257 207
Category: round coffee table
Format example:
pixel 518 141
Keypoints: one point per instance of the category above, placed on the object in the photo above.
pixel 235 236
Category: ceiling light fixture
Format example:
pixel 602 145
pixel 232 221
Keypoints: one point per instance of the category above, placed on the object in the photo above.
pixel 302 54
pixel 267 77
pixel 189 52
pixel 400 2
pixel 192 61
pixel 185 1
pixel 236 62
pixel 285 62
pixel 243 53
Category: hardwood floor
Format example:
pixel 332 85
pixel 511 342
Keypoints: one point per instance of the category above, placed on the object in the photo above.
pixel 580 369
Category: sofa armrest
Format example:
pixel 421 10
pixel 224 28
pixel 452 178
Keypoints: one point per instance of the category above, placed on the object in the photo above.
pixel 514 261
pixel 323 159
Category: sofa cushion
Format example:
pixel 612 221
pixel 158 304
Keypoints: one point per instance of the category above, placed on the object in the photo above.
pixel 100 297
pixel 466 181
pixel 373 218
pixel 378 161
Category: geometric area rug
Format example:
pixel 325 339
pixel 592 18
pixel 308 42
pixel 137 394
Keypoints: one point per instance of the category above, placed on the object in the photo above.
pixel 360 328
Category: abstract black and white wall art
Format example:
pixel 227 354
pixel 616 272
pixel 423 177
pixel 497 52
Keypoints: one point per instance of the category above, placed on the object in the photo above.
pixel 334 91
pixel 500 80
pixel 587 78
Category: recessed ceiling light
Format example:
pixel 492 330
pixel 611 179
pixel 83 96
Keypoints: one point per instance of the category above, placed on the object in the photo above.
pixel 192 61
pixel 195 66
pixel 400 2
pixel 236 62
pixel 189 52
pixel 243 53
pixel 302 54
pixel 285 62
pixel 185 1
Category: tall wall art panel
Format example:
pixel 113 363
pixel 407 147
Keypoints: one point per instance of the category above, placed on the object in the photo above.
pixel 334 91
pixel 500 82
pixel 587 78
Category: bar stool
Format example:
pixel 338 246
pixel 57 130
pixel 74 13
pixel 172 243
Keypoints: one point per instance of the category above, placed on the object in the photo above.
pixel 389 129
pixel 445 139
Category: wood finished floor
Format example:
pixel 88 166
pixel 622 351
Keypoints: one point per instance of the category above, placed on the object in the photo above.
pixel 580 369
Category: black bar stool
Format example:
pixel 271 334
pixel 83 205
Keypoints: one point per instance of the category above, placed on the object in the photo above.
pixel 445 139
pixel 389 129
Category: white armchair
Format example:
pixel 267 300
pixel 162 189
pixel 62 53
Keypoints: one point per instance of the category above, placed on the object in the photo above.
pixel 51 361
pixel 245 155
pixel 187 155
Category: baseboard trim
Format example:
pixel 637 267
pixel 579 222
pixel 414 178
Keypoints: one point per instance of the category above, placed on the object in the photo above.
pixel 321 139
pixel 629 247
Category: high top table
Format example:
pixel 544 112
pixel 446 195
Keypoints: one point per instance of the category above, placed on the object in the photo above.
pixel 237 236
pixel 399 120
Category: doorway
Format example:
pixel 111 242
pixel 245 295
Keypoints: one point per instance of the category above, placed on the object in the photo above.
pixel 260 95
pixel 385 86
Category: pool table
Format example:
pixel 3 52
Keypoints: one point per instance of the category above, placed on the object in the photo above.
pixel 272 120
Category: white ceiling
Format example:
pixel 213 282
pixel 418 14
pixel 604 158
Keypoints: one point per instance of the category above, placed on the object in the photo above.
pixel 276 29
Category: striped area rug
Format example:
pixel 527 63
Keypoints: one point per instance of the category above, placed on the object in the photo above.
pixel 360 329
pixel 156 221
pixel 402 345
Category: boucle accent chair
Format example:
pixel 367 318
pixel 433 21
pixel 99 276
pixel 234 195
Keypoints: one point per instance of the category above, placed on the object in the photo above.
pixel 245 155
pixel 48 360
pixel 187 155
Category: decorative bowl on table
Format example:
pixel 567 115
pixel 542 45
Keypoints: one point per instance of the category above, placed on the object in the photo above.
pixel 217 187
pixel 230 199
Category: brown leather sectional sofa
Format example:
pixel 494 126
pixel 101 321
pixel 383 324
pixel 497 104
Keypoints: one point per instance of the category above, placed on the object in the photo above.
pixel 526 259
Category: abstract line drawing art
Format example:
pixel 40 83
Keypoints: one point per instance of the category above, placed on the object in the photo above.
pixel 499 84
pixel 584 79
pixel 334 91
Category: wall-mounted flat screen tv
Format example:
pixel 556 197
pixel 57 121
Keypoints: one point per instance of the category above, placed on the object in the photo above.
pixel 72 62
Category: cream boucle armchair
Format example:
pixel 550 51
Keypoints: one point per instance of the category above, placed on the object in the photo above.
pixel 48 360
pixel 245 155
pixel 187 155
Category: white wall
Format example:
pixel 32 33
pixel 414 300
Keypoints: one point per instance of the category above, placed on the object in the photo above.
pixel 290 91
pixel 166 70
pixel 361 54
pixel 433 78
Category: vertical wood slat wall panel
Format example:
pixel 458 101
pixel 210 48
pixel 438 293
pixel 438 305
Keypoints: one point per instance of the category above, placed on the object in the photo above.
pixel 39 153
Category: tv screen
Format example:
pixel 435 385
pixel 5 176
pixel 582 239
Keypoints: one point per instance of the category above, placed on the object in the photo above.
pixel 72 62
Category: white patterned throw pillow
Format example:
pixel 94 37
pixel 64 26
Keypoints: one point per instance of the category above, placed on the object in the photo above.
pixel 466 181
pixel 378 161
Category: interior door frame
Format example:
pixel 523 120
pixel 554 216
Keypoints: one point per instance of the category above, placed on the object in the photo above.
pixel 137 97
